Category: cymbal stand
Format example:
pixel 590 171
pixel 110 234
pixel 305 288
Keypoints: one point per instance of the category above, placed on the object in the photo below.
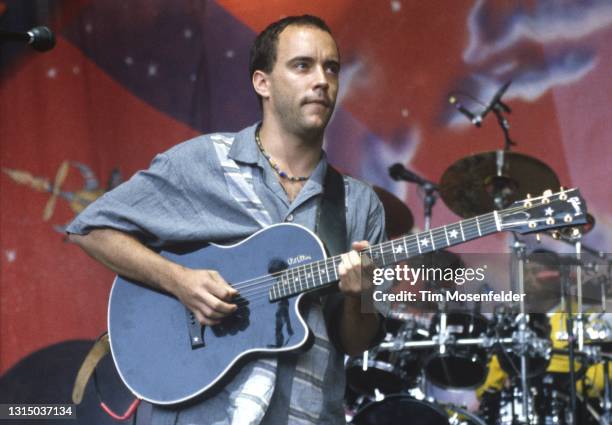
pixel 565 270
pixel 498 108
pixel 607 402
pixel 518 249
pixel 430 190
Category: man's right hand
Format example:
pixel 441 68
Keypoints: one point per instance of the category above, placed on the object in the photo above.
pixel 206 294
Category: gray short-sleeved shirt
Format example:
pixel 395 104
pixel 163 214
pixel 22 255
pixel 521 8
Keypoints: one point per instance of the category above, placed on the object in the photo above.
pixel 184 196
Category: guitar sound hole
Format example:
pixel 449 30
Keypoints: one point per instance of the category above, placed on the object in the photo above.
pixel 236 322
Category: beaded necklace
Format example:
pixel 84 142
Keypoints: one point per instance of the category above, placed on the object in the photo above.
pixel 276 168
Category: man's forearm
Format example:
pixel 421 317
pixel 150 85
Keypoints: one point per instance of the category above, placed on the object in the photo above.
pixel 128 257
pixel 357 329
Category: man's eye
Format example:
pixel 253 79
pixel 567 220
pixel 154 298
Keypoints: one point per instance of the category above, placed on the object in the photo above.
pixel 301 65
pixel 333 69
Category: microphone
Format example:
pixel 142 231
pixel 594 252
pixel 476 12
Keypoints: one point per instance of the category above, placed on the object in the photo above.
pixel 497 101
pixel 398 172
pixel 474 119
pixel 40 38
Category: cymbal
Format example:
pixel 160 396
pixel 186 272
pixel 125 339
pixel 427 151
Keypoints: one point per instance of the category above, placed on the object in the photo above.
pixel 469 186
pixel 398 217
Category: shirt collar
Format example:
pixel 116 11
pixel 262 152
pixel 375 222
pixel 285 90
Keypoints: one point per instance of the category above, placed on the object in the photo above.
pixel 244 149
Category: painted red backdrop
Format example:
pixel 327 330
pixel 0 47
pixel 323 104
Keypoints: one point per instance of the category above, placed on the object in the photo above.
pixel 129 79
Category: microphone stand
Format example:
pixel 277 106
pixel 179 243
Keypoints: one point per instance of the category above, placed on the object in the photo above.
pixel 498 108
pixel 430 190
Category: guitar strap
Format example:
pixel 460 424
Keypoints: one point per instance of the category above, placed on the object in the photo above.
pixel 331 215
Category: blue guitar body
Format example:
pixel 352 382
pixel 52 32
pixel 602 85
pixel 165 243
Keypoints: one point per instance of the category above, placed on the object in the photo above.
pixel 152 333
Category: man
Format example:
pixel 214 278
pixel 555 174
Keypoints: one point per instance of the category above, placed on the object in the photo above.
pixel 223 187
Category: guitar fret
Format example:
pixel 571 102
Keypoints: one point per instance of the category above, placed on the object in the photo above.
pixel 336 275
pixel 418 243
pixel 497 221
pixel 297 282
pixel 307 277
pixel 446 236
pixel 312 273
pixel 296 278
pixel 405 247
pixel 462 234
pixel 433 244
pixel 478 227
pixel 320 277
pixel 439 238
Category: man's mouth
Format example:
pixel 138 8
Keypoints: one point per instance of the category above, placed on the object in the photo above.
pixel 323 102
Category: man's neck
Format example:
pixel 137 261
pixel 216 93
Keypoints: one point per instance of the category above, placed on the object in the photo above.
pixel 297 155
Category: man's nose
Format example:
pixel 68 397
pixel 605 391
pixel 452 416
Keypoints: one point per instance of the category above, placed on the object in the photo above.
pixel 321 78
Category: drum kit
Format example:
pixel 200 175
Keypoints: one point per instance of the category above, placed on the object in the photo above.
pixel 448 366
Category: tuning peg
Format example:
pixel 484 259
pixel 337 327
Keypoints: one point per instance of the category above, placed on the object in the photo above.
pixel 562 194
pixel 538 238
pixel 528 203
pixel 555 235
pixel 546 195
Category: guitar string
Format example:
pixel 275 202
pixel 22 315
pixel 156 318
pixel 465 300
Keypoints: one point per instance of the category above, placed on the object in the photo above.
pixel 261 293
pixel 382 246
pixel 260 285
pixel 256 296
pixel 471 235
pixel 262 290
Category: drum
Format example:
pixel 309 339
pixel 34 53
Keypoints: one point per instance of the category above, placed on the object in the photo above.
pixel 460 366
pixel 388 372
pixel 452 377
pixel 398 409
pixel 378 375
pixel 548 404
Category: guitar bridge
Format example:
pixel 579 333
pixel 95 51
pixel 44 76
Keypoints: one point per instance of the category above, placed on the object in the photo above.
pixel 195 330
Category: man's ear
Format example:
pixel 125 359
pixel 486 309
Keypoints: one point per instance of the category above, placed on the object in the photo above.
pixel 261 83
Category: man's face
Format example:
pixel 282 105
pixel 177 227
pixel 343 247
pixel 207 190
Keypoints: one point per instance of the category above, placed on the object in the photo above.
pixel 304 79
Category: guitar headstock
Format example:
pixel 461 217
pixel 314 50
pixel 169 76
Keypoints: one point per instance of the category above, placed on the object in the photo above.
pixel 565 208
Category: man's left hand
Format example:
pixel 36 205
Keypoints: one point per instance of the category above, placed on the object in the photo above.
pixel 351 269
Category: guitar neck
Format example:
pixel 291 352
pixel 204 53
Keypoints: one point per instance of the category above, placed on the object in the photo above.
pixel 320 274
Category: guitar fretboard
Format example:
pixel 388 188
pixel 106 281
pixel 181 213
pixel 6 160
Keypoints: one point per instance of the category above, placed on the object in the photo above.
pixel 319 274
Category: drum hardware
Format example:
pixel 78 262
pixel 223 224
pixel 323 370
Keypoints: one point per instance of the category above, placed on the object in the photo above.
pixel 472 186
pixel 518 250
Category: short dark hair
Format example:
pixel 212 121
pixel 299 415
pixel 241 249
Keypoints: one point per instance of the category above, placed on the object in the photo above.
pixel 264 49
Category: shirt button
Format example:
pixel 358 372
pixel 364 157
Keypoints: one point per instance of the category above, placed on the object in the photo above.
pixel 289 218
